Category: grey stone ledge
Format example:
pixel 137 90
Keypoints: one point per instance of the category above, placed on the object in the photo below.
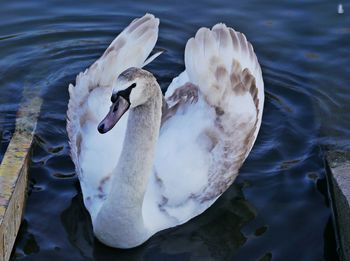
pixel 338 176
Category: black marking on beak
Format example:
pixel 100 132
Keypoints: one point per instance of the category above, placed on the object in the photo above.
pixel 101 128
pixel 124 93
pixel 114 97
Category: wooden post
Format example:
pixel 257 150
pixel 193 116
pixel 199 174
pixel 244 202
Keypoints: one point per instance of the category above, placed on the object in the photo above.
pixel 13 172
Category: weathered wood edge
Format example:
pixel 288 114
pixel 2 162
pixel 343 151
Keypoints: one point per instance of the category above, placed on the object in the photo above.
pixel 338 179
pixel 13 174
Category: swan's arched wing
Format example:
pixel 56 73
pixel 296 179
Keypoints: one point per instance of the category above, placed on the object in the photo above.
pixel 212 120
pixel 90 101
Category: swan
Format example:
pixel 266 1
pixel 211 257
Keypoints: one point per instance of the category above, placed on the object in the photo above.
pixel 147 162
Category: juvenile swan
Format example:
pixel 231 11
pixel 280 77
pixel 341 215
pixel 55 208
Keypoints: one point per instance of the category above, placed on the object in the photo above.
pixel 162 160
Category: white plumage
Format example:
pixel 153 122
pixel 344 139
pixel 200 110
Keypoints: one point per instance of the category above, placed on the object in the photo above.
pixel 210 122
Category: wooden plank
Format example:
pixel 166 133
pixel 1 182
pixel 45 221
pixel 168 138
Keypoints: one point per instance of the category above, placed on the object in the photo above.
pixel 13 172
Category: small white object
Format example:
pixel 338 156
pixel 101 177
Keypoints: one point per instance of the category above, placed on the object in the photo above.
pixel 340 9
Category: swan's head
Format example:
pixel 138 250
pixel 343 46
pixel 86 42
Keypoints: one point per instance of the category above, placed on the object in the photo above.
pixel 132 88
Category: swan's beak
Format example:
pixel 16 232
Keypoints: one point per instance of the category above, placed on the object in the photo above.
pixel 117 110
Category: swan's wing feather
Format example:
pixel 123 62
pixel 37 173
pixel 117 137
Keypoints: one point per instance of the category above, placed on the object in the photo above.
pixel 206 134
pixel 151 58
pixel 90 101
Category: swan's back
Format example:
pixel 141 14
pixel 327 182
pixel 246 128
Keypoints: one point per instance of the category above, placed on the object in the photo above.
pixel 213 118
pixel 93 153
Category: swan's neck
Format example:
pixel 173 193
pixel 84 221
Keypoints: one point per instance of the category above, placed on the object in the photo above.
pixel 120 222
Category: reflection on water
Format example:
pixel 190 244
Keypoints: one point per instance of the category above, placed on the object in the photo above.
pixel 276 210
pixel 216 235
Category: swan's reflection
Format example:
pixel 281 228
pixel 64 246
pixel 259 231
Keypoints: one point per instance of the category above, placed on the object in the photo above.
pixel 214 235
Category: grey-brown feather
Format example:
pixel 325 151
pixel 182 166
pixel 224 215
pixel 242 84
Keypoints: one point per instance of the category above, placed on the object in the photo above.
pixel 223 171
pixel 230 137
pixel 94 77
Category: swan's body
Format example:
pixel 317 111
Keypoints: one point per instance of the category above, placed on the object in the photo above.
pixel 164 162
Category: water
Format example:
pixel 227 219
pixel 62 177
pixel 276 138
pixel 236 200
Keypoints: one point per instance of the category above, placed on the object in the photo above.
pixel 278 207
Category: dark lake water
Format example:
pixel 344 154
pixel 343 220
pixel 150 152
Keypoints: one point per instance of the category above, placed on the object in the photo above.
pixel 277 209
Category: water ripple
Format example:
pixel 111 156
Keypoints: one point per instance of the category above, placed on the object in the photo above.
pixel 281 187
